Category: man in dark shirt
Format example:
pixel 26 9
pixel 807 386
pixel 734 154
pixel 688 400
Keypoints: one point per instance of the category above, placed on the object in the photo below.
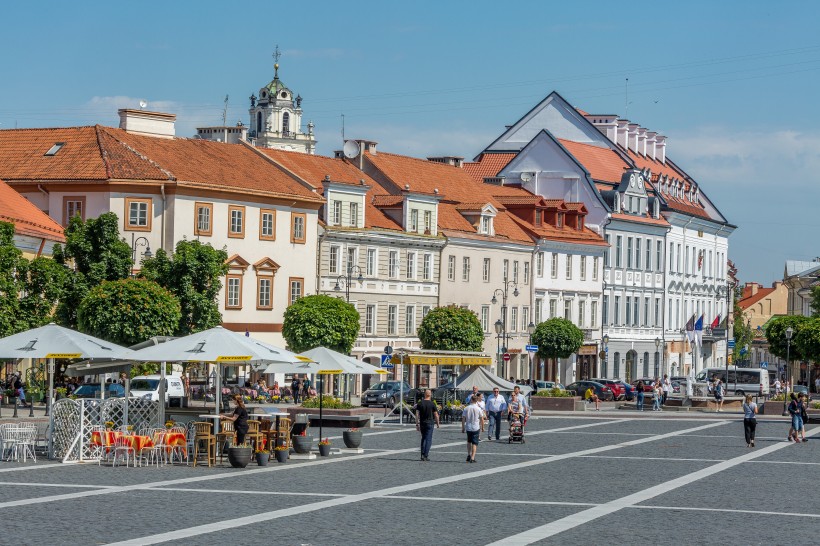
pixel 426 417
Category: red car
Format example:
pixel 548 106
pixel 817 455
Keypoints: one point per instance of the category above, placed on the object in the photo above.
pixel 617 388
pixel 647 384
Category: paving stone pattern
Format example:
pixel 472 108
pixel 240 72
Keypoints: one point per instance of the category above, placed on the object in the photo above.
pixel 569 465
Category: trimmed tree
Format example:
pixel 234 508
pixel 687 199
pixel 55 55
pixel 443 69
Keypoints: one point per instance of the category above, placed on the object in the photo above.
pixel 128 311
pixel 557 338
pixel 193 274
pixel 807 340
pixel 776 335
pixel 320 321
pixel 451 329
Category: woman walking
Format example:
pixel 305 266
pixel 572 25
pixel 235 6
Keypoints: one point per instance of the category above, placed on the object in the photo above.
pixel 795 411
pixel 657 391
pixel 749 420
pixel 640 394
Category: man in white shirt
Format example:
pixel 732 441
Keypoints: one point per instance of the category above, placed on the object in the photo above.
pixel 475 391
pixel 496 406
pixel 667 387
pixel 522 405
pixel 472 421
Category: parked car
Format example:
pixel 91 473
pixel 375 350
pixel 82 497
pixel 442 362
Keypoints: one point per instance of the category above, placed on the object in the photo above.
pixel 92 390
pixel 647 384
pixel 618 387
pixel 629 392
pixel 580 388
pixel 385 393
pixel 147 387
pixel 549 385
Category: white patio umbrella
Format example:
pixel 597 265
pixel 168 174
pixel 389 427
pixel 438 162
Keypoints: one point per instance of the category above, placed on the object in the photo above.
pixel 220 346
pixel 330 362
pixel 52 341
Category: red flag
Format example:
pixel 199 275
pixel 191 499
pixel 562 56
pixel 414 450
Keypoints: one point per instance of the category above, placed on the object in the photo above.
pixel 716 322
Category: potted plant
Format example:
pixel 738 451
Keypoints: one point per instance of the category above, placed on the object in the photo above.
pixel 302 443
pixel 60 392
pixel 324 447
pixel 11 394
pixel 275 399
pixel 169 424
pixel 239 455
pixel 281 453
pixel 109 425
pixel 352 437
pixel 262 457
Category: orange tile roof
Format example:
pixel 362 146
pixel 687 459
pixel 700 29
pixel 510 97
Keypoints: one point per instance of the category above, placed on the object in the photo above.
pixel 26 217
pixel 387 200
pixel 518 200
pixel 563 234
pixel 98 154
pixel 575 206
pixel 602 163
pixel 488 165
pixel 643 219
pixel 748 301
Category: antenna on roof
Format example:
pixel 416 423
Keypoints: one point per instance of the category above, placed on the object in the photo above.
pixel 343 127
pixel 143 104
pixel 225 112
pixel 626 100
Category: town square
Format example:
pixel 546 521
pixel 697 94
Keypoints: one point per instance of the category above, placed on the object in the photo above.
pixel 424 272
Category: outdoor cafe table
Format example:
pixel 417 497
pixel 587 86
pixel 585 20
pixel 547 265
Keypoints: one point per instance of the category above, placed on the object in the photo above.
pixel 137 442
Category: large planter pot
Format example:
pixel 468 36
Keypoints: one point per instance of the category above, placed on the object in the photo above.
pixel 352 438
pixel 324 450
pixel 302 444
pixel 239 457
pixel 281 455
pixel 551 403
pixel 262 458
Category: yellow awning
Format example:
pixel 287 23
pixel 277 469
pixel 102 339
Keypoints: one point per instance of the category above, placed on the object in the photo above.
pixel 442 360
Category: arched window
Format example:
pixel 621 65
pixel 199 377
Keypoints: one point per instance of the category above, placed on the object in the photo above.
pixel 657 364
pixel 646 365
pixel 258 122
pixel 285 123
pixel 616 368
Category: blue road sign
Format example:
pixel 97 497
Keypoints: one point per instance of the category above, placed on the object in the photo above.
pixel 764 365
pixel 386 364
pixel 731 343
pixel 532 348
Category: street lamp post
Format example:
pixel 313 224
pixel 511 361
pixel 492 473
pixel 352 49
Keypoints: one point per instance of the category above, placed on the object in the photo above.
pixel 499 328
pixel 347 278
pixel 504 292
pixel 789 333
pixel 657 348
pixel 530 331
pixel 140 241
pixel 606 355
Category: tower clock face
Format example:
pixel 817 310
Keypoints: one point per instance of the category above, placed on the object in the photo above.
pixel 284 94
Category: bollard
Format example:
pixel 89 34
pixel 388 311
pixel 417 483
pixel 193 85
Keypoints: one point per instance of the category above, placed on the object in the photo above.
pixel 31 409
pixel 16 403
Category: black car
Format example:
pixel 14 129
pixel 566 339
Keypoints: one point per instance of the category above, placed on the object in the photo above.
pixel 580 387
pixel 384 393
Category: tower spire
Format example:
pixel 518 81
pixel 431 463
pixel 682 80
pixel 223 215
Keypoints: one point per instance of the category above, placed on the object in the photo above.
pixel 276 55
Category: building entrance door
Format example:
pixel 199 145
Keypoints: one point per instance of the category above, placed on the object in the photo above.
pixel 631 366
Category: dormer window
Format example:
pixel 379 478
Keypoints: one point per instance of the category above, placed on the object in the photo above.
pixel 428 222
pixel 560 221
pixel 414 220
pixel 486 225
pixel 54 149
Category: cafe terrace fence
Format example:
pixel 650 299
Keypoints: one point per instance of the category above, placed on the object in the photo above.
pixel 74 419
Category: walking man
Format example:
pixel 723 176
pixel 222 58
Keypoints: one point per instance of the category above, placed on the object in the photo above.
pixel 667 386
pixel 496 405
pixel 472 421
pixel 475 391
pixel 426 417
pixel 522 401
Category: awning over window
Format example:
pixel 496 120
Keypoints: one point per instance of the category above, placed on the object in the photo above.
pixel 441 360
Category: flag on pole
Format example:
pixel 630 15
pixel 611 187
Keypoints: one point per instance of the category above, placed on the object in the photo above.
pixel 699 331
pixel 690 330
pixel 716 322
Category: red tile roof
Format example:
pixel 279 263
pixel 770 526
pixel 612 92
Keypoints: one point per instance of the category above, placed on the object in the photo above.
pixel 565 234
pixel 488 165
pixel 750 300
pixel 26 217
pixel 603 164
pixel 387 200
pixel 99 154
pixel 644 219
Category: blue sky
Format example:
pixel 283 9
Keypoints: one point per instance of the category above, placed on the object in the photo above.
pixel 733 85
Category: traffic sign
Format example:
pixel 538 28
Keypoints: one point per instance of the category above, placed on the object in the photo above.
pixel 532 348
pixel 386 364
pixel 731 343
pixel 764 365
pixel 506 357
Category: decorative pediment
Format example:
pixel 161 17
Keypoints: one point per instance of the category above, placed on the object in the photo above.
pixel 237 262
pixel 266 265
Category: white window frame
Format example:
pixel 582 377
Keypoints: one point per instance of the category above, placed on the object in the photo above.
pixel 337 213
pixel 392 317
pixel 410 320
pixel 393 264
pixel 411 265
pixel 485 272
pixel 465 268
pixel 372 265
pixel 333 259
pixel 369 319
pixel 427 267
pixel 451 267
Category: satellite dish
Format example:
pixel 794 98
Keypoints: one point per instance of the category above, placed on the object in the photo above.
pixel 351 149
pixel 526 176
pixel 143 104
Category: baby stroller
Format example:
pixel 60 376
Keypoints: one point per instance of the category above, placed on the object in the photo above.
pixel 517 429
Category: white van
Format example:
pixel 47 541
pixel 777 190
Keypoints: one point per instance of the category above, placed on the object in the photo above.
pixel 740 381
pixel 147 387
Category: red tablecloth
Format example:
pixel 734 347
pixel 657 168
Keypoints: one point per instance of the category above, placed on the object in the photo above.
pixel 136 441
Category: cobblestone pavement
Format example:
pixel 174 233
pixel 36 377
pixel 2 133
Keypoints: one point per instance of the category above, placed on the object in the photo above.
pixel 576 480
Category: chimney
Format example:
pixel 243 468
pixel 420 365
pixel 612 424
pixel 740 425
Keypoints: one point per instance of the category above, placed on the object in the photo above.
pixel 641 141
pixel 623 128
pixel 660 149
pixel 141 122
pixel 453 161
pixel 650 144
pixel 606 123
pixel 632 137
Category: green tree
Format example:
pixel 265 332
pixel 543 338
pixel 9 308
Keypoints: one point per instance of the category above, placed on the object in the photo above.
pixel 29 290
pixel 743 334
pixel 193 274
pixel 451 329
pixel 128 311
pixel 320 321
pixel 815 301
pixel 807 340
pixel 557 338
pixel 97 254
pixel 776 335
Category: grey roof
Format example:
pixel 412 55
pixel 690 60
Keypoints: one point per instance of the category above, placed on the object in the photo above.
pixel 485 380
pixel 798 267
